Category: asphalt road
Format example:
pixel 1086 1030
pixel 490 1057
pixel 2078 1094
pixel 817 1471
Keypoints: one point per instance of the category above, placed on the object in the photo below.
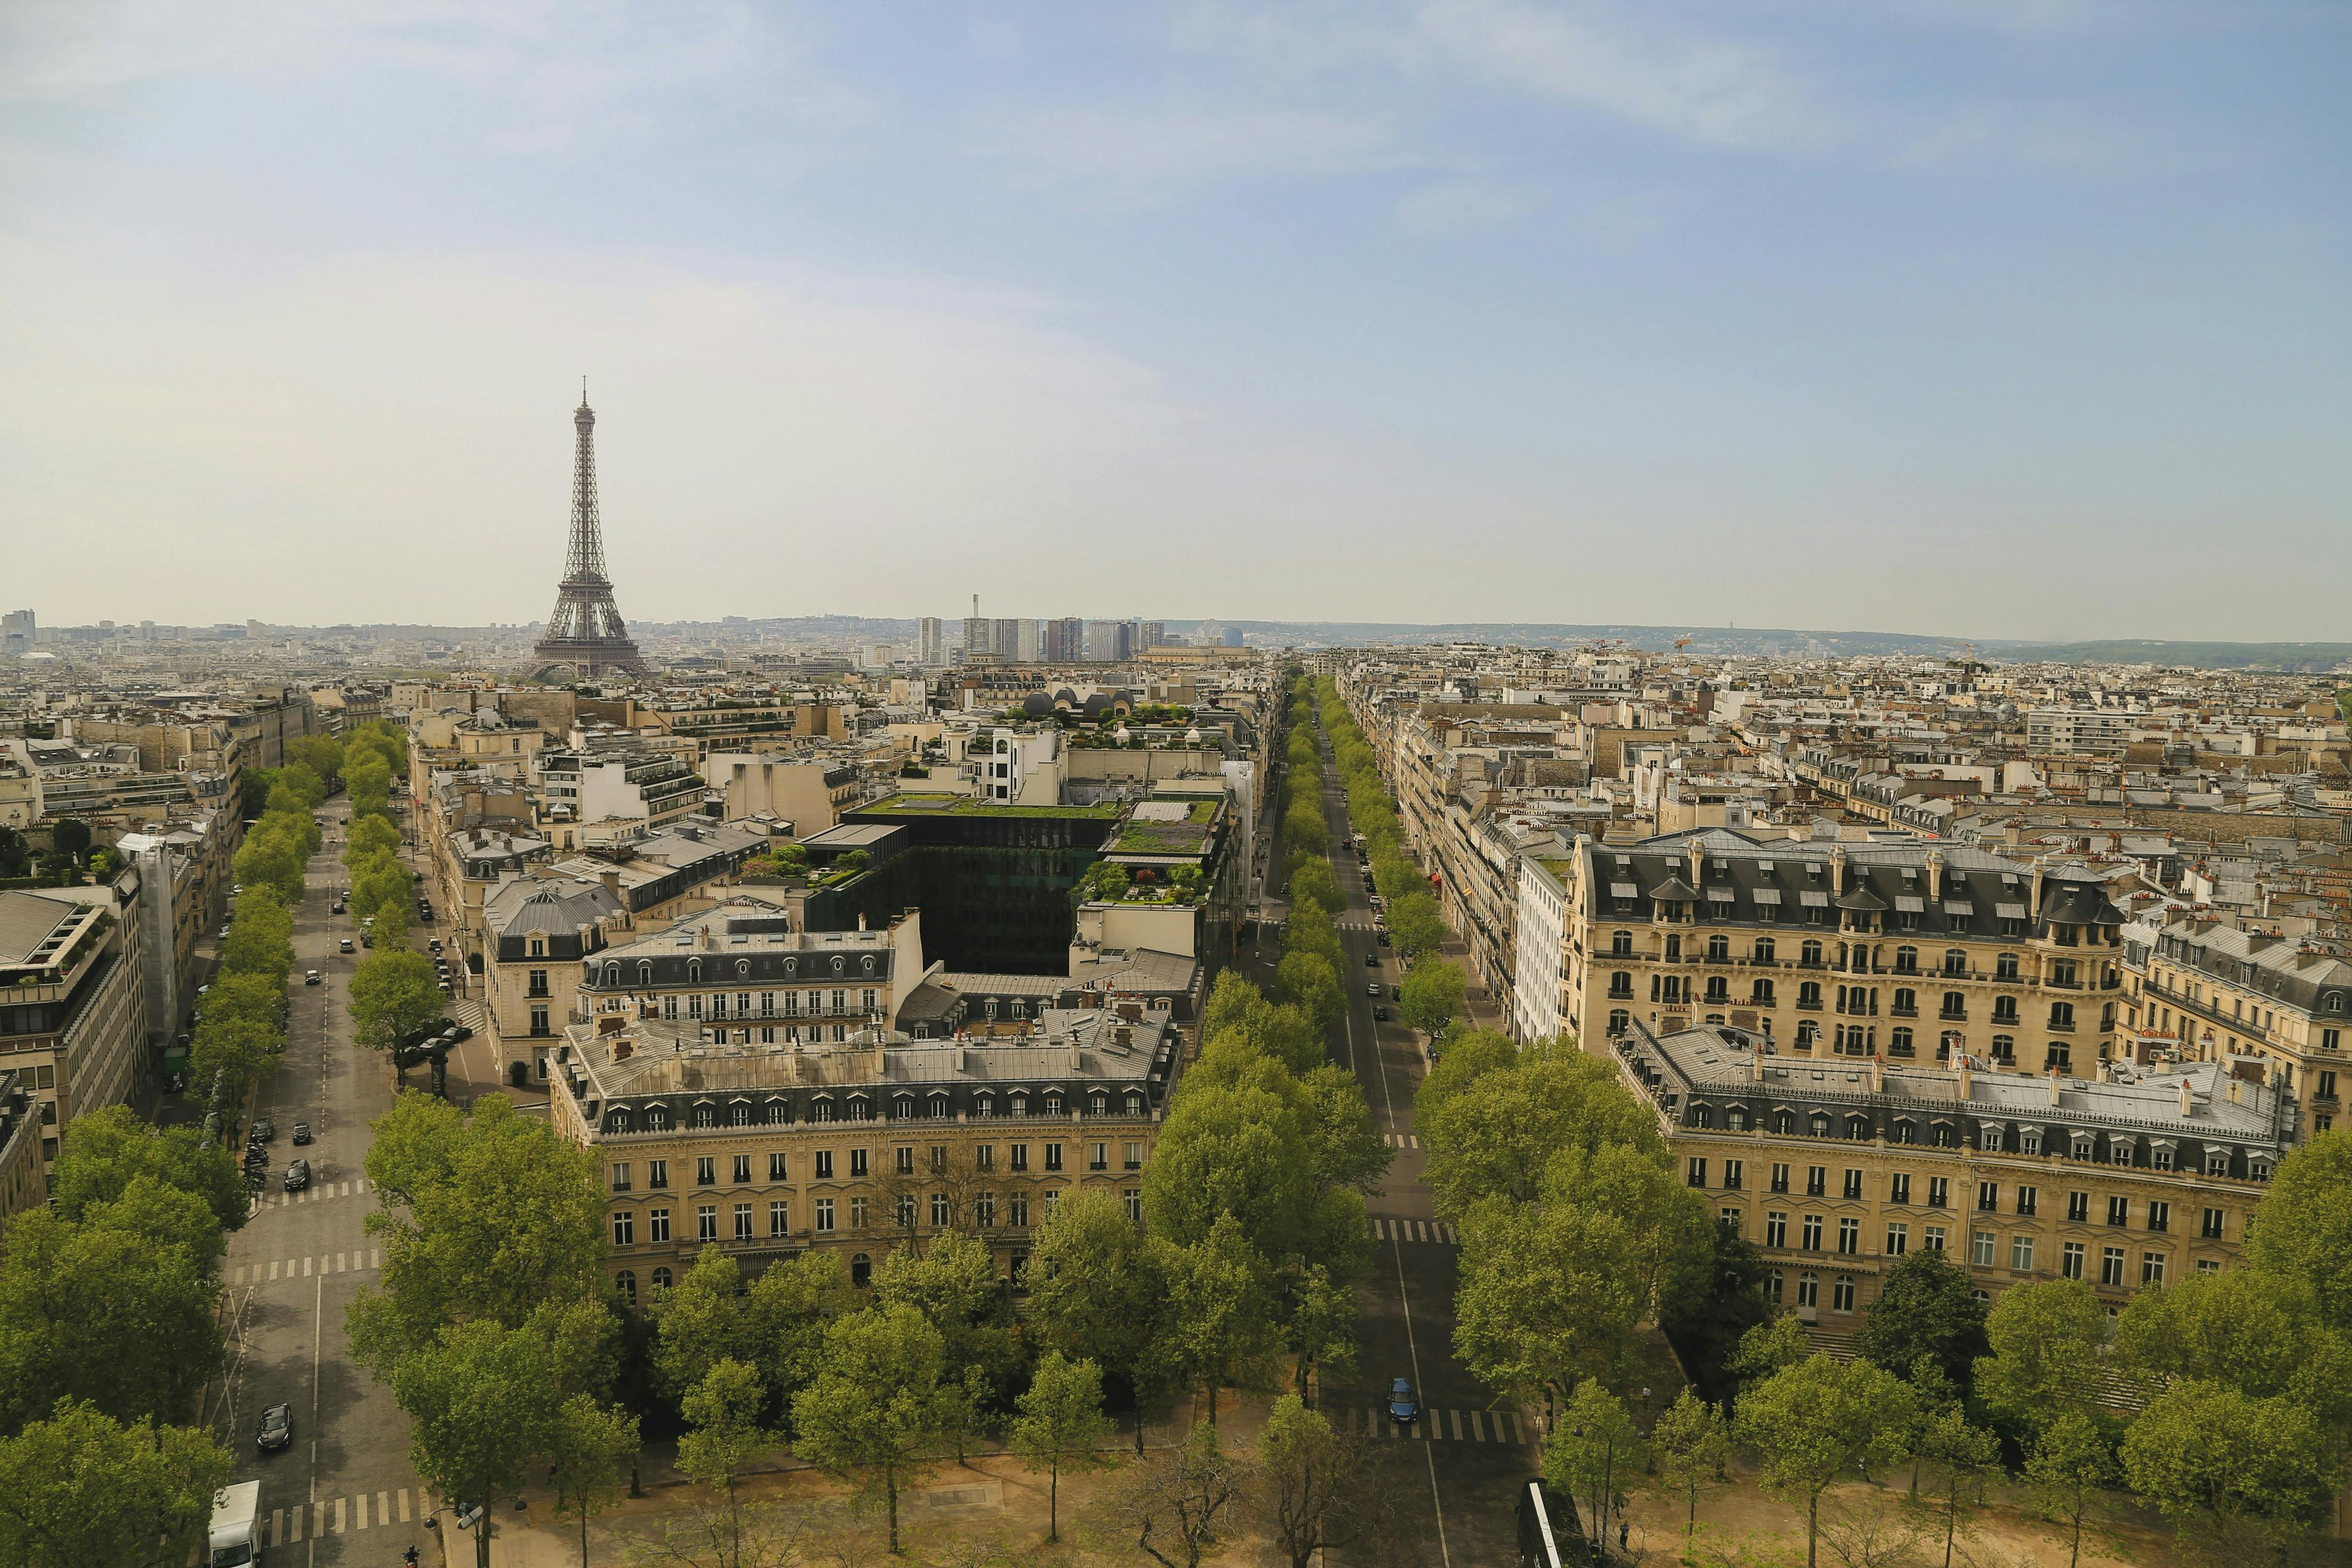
pixel 344 1491
pixel 1472 1451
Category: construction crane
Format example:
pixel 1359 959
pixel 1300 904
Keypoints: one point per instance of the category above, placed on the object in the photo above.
pixel 1681 643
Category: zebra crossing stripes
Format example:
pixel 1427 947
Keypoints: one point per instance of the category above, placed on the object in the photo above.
pixel 355 1261
pixel 317 1194
pixel 1449 1426
pixel 341 1515
pixel 1415 1230
pixel 1401 1140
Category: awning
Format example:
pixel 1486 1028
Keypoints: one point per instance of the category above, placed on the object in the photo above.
pixel 1905 903
pixel 2010 911
pixel 1624 891
pixel 1765 895
pixel 1718 895
pixel 1813 900
pixel 1959 908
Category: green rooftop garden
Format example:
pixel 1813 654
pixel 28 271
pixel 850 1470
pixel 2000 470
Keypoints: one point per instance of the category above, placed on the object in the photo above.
pixel 937 804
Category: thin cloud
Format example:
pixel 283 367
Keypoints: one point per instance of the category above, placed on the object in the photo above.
pixel 1143 152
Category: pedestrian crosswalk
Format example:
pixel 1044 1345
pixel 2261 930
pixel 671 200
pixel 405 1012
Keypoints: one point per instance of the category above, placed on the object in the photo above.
pixel 1415 1230
pixel 1401 1140
pixel 319 1192
pixel 344 1515
pixel 354 1260
pixel 1447 1426
pixel 1366 924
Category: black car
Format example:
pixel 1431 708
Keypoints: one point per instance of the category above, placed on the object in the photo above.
pixel 264 1130
pixel 277 1429
pixel 1380 1015
pixel 1371 961
pixel 458 1034
pixel 298 1175
pixel 302 1133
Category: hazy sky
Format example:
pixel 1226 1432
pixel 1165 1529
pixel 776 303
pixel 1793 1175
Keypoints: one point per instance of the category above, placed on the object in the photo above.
pixel 1975 317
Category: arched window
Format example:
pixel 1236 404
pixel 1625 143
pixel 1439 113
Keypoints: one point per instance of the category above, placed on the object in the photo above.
pixel 1619 1021
pixel 2335 1002
pixel 1956 961
pixel 612 973
pixel 693 972
pixel 1810 955
pixel 1620 944
pixel 1765 950
pixel 867 963
pixel 625 1281
pixel 662 1279
pixel 1898 1042
pixel 742 969
pixel 792 966
pixel 838 963
pixel 644 972
pixel 1907 960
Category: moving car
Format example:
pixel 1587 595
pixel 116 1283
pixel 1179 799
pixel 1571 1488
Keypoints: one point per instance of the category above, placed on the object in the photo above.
pixel 302 1133
pixel 1402 1406
pixel 277 1429
pixel 309 977
pixel 346 946
pixel 298 1175
pixel 1380 1015
pixel 1371 961
pixel 1372 988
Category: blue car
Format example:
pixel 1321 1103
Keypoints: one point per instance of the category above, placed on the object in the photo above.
pixel 1402 1406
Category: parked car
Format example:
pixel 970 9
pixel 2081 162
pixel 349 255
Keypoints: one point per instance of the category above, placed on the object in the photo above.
pixel 346 946
pixel 1403 1405
pixel 277 1429
pixel 298 1175
pixel 224 934
pixel 302 1133
pixel 264 1130
pixel 309 977
pixel 435 945
pixel 445 989
pixel 460 1034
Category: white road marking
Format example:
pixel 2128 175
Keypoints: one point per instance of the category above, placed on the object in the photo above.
pixel 346 1191
pixel 276 1527
pixel 306 1268
pixel 383 1513
pixel 403 1505
pixel 375 1257
pixel 338 1262
pixel 338 1516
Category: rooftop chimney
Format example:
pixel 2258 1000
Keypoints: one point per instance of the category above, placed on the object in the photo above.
pixel 2188 1101
pixel 1967 1076
pixel 1934 874
pixel 2056 1078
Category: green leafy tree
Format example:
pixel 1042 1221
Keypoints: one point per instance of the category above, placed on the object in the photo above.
pixel 1964 1459
pixel 482 1404
pixel 2258 1333
pixel 124 1321
pixel 1594 1449
pixel 2048 1340
pixel 235 1053
pixel 1094 1292
pixel 1315 883
pixel 1414 925
pixel 2303 1227
pixel 70 835
pixel 2239 1479
pixel 1319 1329
pixel 1689 1445
pixel 724 1437
pixel 1216 1324
pixel 1721 1301
pixel 1059 1426
pixel 1498 1133
pixel 1316 1489
pixel 80 1489
pixel 2070 1469
pixel 272 860
pixel 104 1151
pixel 392 995
pixel 1310 982
pixel 871 1411
pixel 1433 998
pixel 1346 1147
pixel 590 1448
pixel 490 1216
pixel 1812 1422
pixel 1927 1307
pixel 1548 1297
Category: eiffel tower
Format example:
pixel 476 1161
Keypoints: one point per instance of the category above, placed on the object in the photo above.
pixel 586 633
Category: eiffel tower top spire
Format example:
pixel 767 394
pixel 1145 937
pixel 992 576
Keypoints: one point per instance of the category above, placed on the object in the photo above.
pixel 586 632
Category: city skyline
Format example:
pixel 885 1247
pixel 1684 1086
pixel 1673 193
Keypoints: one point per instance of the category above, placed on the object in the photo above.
pixel 1820 296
